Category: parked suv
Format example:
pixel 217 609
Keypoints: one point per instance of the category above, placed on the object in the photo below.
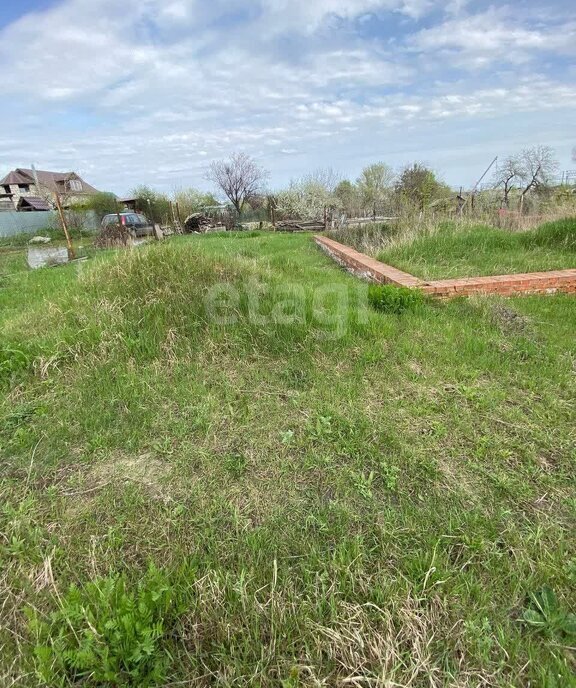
pixel 138 224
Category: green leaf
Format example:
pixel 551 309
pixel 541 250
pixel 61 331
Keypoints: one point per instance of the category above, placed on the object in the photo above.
pixel 534 618
pixel 568 624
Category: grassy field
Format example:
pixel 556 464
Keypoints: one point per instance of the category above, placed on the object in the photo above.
pixel 220 466
pixel 449 250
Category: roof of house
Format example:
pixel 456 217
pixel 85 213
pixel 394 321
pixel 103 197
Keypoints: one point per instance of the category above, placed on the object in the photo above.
pixel 34 202
pixel 52 180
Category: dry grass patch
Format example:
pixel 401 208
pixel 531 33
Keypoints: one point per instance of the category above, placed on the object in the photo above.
pixel 148 473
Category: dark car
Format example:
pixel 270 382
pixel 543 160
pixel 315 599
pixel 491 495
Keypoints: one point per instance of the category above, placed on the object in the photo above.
pixel 138 224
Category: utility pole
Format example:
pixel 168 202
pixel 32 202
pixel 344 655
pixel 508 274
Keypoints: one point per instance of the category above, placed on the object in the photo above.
pixel 485 173
pixel 475 187
pixel 71 254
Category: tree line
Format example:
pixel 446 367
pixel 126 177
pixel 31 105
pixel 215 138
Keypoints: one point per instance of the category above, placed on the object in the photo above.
pixel 379 188
pixel 241 182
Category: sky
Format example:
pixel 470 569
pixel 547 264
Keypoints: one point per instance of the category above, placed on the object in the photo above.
pixel 151 91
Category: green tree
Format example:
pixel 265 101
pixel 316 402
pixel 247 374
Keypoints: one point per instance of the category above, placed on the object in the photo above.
pixel 374 184
pixel 152 203
pixel 419 185
pixel 193 201
pixel 347 194
pixel 102 203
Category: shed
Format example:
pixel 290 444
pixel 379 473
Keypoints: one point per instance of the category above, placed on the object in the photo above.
pixel 32 203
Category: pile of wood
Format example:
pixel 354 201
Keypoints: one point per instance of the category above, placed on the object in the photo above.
pixel 197 222
pixel 299 226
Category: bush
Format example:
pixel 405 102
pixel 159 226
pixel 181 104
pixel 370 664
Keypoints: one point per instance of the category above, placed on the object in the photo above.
pixel 390 299
pixel 107 632
pixel 113 235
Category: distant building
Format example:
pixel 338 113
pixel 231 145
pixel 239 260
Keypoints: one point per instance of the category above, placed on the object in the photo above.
pixel 34 190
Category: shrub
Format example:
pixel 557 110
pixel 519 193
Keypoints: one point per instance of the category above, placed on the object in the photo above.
pixel 390 299
pixel 107 632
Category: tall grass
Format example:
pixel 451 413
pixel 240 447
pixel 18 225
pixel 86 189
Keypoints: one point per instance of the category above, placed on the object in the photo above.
pixel 465 250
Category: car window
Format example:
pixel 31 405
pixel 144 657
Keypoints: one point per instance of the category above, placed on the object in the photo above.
pixel 143 219
pixel 132 219
pixel 108 220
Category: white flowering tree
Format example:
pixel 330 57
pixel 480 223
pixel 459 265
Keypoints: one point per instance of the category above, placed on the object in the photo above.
pixel 308 198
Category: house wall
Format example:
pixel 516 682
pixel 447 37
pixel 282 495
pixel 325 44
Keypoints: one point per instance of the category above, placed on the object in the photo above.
pixel 17 193
pixel 45 193
pixel 12 222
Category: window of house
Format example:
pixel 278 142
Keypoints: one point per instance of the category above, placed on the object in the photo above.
pixel 7 188
pixel 75 185
pixel 24 187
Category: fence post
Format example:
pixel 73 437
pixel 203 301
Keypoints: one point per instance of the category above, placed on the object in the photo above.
pixel 71 254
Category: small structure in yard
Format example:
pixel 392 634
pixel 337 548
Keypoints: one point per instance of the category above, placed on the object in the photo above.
pixel 32 204
pixel 129 203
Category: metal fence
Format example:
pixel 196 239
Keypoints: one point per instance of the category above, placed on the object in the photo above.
pixel 12 222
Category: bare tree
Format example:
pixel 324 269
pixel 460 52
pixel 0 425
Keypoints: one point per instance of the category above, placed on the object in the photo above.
pixel 507 173
pixel 537 166
pixel 239 178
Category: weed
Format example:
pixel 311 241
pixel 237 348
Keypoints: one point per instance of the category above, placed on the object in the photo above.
pixel 390 299
pixel 363 483
pixel 107 632
pixel 481 636
pixel 287 436
pixel 544 612
pixel 319 427
pixel 235 463
pixel 13 360
pixel 389 474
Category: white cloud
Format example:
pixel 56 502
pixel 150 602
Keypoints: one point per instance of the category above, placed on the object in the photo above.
pixel 307 15
pixel 156 91
pixel 494 35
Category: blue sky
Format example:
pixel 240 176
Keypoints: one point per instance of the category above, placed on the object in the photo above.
pixel 150 91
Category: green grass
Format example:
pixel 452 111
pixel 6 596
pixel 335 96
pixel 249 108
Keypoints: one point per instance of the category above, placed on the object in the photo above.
pixel 199 490
pixel 469 252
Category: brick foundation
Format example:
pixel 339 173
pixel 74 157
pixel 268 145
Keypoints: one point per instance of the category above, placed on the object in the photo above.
pixel 524 283
pixel 365 266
